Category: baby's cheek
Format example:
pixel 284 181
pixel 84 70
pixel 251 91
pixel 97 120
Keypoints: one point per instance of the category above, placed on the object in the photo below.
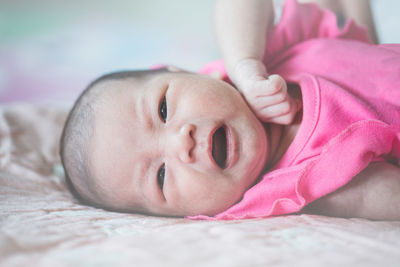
pixel 201 194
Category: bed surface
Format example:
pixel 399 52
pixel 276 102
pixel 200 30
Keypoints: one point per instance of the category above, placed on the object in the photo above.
pixel 41 224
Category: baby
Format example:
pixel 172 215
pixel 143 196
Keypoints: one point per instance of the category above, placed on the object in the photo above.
pixel 166 142
pixel 170 142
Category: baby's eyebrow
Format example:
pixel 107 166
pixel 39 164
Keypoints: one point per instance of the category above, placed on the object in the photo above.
pixel 141 178
pixel 142 110
pixel 147 105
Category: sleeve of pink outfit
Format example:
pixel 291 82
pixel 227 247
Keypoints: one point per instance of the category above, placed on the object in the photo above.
pixel 351 110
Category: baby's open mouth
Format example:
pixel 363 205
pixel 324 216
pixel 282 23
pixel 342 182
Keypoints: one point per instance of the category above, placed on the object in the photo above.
pixel 219 147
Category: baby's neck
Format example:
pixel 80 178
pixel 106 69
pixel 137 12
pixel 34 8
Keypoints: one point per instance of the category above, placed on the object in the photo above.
pixel 280 137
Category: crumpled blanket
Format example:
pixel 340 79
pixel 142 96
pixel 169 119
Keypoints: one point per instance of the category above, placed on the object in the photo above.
pixel 28 147
pixel 41 224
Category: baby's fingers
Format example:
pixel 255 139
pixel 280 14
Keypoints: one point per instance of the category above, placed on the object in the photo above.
pixel 261 102
pixel 283 120
pixel 259 98
pixel 275 110
pixel 283 113
pixel 260 87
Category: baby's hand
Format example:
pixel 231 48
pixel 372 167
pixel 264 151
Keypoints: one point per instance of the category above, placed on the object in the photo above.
pixel 266 94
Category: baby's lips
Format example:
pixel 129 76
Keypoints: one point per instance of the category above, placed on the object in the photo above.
pixel 210 146
pixel 232 147
pixel 220 147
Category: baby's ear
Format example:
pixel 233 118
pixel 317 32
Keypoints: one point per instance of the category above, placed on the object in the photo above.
pixel 170 68
pixel 216 74
pixel 173 68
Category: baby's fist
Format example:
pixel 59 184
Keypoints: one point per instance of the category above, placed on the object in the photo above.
pixel 268 97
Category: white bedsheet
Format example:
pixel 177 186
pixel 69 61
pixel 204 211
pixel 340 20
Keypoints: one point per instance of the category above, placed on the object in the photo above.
pixel 41 224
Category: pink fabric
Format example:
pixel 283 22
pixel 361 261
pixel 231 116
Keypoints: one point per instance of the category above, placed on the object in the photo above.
pixel 351 111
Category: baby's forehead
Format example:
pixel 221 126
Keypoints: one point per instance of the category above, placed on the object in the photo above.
pixel 115 125
pixel 113 165
pixel 134 86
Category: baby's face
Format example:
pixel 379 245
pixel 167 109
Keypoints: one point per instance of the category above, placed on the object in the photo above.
pixel 177 144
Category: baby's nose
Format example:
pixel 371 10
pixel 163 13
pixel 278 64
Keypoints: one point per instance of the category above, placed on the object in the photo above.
pixel 185 143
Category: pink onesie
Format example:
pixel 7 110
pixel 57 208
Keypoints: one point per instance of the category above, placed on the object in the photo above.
pixel 351 110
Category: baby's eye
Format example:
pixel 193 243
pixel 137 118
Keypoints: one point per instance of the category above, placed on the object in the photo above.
pixel 160 176
pixel 163 109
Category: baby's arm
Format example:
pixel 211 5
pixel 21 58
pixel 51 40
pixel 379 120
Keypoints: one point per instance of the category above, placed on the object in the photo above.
pixel 241 28
pixel 359 10
pixel 373 194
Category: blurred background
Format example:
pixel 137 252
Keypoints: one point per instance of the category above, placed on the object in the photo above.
pixel 50 49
